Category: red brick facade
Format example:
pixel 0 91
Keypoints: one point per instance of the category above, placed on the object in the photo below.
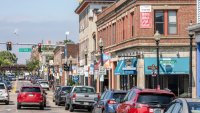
pixel 119 25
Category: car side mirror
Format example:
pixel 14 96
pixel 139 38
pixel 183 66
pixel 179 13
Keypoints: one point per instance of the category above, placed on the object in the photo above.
pixel 17 91
pixel 96 99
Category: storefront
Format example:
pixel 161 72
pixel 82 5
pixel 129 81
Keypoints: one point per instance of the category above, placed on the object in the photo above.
pixel 174 74
pixel 126 69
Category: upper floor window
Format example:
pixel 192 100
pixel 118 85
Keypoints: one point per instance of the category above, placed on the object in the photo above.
pixel 166 22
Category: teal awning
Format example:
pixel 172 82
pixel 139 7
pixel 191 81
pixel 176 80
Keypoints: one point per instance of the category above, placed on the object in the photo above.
pixel 118 69
pixel 126 69
pixel 168 66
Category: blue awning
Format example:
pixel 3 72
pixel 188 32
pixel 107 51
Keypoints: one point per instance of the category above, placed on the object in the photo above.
pixel 118 69
pixel 168 66
pixel 124 69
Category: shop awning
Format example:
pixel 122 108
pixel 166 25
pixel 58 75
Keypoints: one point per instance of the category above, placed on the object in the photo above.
pixel 168 66
pixel 118 69
pixel 126 67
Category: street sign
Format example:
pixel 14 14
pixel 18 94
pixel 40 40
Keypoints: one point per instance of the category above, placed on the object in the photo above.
pixel 102 70
pixel 25 49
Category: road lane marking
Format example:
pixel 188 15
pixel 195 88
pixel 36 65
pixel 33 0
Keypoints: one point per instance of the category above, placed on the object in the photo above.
pixel 15 86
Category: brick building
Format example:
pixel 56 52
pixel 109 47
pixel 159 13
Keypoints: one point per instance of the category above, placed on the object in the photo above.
pixel 72 52
pixel 127 28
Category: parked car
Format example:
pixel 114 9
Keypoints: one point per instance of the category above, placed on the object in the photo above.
pixel 12 77
pixel 60 95
pixel 145 101
pixel 44 84
pixel 4 94
pixel 31 96
pixel 55 91
pixel 184 105
pixel 8 84
pixel 80 97
pixel 21 77
pixel 108 101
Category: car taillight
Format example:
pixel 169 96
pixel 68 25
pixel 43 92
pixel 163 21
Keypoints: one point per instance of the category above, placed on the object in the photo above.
pixel 151 110
pixel 111 102
pixel 74 96
pixel 99 96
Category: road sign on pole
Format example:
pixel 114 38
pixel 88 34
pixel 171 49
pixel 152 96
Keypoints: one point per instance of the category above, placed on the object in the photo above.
pixel 102 70
pixel 25 49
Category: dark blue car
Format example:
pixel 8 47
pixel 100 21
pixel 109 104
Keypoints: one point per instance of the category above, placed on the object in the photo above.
pixel 109 101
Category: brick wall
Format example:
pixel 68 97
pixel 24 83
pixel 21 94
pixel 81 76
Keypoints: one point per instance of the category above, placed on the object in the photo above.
pixel 186 11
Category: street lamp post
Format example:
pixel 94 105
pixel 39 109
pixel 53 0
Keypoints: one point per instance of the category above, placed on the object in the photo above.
pixel 66 33
pixel 191 34
pixel 101 85
pixel 157 39
pixel 86 77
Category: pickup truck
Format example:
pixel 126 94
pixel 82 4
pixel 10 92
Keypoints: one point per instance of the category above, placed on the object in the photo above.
pixel 80 97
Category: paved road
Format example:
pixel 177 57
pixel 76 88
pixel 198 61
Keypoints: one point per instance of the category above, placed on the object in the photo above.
pixel 51 107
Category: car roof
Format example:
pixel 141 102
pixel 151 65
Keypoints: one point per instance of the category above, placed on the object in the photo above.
pixel 117 91
pixel 31 86
pixel 84 86
pixel 2 83
pixel 65 86
pixel 190 99
pixel 156 91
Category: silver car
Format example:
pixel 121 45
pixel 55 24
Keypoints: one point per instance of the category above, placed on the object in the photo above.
pixel 184 105
pixel 80 97
pixel 4 94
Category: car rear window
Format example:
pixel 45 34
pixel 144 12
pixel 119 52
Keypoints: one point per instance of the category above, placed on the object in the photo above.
pixel 194 107
pixel 149 98
pixel 2 86
pixel 83 90
pixel 30 89
pixel 66 88
pixel 119 95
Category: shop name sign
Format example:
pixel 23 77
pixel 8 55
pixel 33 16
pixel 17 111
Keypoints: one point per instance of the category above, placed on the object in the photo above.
pixel 168 62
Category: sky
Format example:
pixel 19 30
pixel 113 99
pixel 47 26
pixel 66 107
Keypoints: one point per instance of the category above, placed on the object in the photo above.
pixel 35 21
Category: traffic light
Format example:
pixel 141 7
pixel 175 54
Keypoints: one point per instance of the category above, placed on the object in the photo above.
pixel 65 67
pixel 39 47
pixel 9 46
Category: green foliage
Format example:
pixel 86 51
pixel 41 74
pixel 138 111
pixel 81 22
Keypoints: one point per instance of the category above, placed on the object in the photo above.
pixel 68 42
pixel 71 82
pixel 7 58
pixel 33 64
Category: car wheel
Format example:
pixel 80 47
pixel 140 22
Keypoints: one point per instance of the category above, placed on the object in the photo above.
pixel 45 104
pixel 18 106
pixel 56 102
pixel 41 107
pixel 71 108
pixel 89 109
pixel 66 107
pixel 7 102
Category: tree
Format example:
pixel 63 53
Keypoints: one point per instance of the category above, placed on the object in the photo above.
pixel 33 65
pixel 68 42
pixel 7 58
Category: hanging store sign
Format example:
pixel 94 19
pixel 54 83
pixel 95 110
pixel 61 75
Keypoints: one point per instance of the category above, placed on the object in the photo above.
pixel 145 16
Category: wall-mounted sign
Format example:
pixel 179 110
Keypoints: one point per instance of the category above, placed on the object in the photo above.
pixel 145 16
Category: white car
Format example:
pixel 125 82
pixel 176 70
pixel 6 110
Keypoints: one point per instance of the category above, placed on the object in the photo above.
pixel 4 94
pixel 44 85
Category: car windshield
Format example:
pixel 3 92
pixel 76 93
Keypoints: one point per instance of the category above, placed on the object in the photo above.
pixel 194 107
pixel 84 90
pixel 66 89
pixel 30 89
pixel 150 98
pixel 119 95
pixel 44 83
pixel 2 86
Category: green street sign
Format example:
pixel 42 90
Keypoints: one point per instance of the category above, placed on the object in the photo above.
pixel 25 49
